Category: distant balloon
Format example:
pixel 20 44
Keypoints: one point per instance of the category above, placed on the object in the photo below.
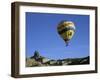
pixel 66 30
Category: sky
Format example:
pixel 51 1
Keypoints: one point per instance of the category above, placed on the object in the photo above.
pixel 42 35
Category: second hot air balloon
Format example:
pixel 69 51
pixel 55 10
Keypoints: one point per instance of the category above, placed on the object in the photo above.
pixel 66 30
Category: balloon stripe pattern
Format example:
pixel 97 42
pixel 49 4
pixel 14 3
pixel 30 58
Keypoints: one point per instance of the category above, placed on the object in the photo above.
pixel 66 30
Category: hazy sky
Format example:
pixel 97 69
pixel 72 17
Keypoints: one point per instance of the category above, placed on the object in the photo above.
pixel 41 35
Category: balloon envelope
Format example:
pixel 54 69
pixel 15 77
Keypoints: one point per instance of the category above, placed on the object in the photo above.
pixel 66 30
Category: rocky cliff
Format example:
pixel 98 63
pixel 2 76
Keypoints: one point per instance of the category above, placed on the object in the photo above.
pixel 38 60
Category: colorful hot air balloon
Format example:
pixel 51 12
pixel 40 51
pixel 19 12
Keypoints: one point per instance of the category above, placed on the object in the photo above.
pixel 66 30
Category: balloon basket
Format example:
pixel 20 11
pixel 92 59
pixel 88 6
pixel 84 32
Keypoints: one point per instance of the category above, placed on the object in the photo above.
pixel 67 44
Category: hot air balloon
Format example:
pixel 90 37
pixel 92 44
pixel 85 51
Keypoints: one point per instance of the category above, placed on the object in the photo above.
pixel 66 30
